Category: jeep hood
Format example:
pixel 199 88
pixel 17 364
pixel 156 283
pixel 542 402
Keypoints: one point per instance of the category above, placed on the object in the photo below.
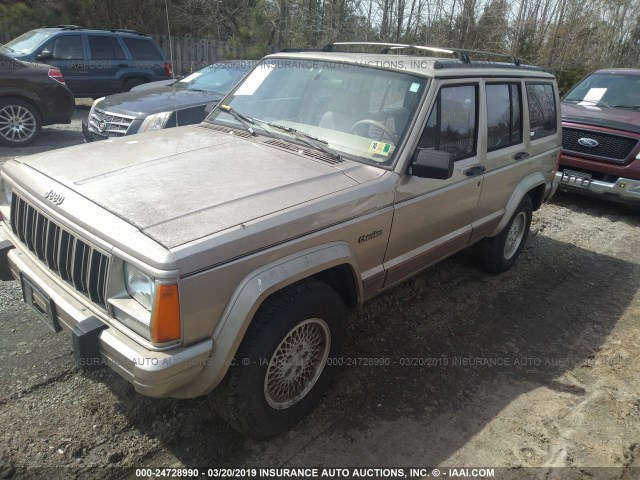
pixel 625 119
pixel 182 184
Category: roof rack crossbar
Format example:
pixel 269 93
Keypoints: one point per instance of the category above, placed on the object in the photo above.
pixel 126 30
pixel 462 54
pixel 67 27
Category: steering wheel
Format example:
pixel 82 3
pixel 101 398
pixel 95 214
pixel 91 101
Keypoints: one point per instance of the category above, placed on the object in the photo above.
pixel 375 123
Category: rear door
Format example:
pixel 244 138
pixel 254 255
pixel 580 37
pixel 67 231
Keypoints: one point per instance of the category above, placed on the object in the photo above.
pixel 145 57
pixel 106 59
pixel 521 131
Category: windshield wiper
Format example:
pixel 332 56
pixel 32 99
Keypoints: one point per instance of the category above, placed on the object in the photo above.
pixel 632 107
pixel 6 48
pixel 313 142
pixel 309 139
pixel 243 119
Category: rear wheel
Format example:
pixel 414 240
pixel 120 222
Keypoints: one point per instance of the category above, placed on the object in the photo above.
pixel 285 360
pixel 19 122
pixel 499 253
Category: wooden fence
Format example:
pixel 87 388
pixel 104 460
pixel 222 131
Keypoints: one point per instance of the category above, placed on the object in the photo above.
pixel 191 54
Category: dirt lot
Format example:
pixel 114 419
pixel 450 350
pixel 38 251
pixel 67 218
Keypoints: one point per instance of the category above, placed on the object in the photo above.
pixel 538 367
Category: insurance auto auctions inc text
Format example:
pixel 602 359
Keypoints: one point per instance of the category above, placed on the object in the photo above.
pixel 374 473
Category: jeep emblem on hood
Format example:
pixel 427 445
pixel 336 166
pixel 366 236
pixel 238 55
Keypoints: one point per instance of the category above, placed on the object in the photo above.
pixel 588 142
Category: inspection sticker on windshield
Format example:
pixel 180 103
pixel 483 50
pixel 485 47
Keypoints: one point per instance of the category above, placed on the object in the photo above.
pixel 380 148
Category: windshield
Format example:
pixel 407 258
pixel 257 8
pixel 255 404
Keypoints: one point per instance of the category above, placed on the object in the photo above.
pixel 607 90
pixel 217 78
pixel 27 42
pixel 357 112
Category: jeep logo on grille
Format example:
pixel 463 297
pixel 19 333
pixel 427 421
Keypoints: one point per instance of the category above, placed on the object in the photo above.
pixel 54 197
pixel 588 142
pixel 102 125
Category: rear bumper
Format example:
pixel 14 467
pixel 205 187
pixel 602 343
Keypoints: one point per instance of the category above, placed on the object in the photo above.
pixel 623 189
pixel 152 373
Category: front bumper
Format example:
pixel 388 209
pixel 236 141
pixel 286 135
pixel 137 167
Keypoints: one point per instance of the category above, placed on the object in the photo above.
pixel 91 136
pixel 622 190
pixel 152 373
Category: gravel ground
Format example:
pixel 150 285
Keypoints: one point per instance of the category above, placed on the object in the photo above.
pixel 538 367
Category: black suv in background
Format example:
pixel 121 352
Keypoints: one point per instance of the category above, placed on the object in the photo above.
pixel 31 95
pixel 151 107
pixel 95 63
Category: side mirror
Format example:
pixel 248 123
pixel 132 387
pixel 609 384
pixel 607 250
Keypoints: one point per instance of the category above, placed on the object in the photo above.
pixel 429 163
pixel 45 55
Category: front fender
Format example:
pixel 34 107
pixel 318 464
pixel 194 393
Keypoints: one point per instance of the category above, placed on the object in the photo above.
pixel 254 289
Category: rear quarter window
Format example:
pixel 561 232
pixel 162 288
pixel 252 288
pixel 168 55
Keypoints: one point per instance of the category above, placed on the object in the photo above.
pixel 542 110
pixel 142 49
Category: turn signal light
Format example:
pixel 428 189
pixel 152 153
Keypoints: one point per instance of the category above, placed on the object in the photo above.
pixel 165 324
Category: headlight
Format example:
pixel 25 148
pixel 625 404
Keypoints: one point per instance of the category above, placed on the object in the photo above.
pixel 153 311
pixel 140 286
pixel 156 121
pixel 96 102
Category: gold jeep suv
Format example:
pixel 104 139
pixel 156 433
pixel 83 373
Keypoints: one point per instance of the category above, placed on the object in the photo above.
pixel 224 255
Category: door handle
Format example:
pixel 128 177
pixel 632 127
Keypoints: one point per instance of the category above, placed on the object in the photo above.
pixel 521 156
pixel 123 65
pixel 475 171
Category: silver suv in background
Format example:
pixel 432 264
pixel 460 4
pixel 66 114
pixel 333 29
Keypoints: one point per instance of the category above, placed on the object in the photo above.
pixel 222 257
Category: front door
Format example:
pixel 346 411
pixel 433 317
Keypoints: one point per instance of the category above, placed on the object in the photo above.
pixel 67 53
pixel 432 218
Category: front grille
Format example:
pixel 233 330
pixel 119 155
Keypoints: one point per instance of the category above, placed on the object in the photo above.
pixel 73 260
pixel 113 126
pixel 612 148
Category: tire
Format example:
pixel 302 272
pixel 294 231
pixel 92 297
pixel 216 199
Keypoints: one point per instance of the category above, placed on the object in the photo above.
pixel 305 317
pixel 129 84
pixel 498 254
pixel 20 122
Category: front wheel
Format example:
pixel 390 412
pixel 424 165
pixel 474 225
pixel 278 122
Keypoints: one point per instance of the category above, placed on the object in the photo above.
pixel 285 361
pixel 499 253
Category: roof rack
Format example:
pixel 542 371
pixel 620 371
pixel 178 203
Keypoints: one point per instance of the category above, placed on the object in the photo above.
pixel 461 53
pixel 297 50
pixel 126 30
pixel 67 27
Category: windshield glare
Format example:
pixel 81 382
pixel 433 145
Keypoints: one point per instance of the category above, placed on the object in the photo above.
pixel 362 113
pixel 214 78
pixel 27 42
pixel 606 89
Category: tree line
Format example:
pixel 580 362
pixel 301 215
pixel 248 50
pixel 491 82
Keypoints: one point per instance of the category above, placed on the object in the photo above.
pixel 568 37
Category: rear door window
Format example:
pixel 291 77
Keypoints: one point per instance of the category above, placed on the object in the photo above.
pixel 105 47
pixel 542 110
pixel 504 118
pixel 142 49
